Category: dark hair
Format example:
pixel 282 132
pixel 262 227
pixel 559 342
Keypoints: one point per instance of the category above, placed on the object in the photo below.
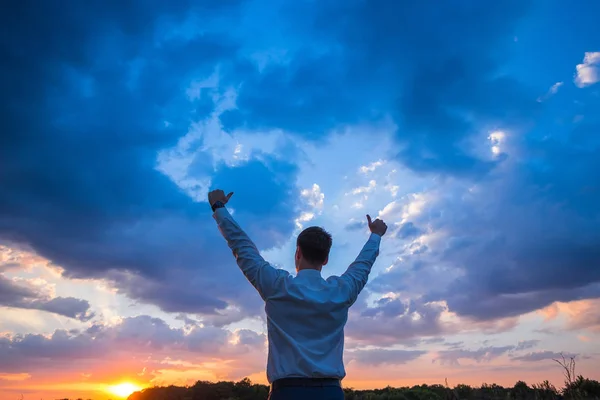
pixel 315 243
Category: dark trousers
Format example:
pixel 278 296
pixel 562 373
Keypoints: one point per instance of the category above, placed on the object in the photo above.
pixel 304 393
pixel 301 389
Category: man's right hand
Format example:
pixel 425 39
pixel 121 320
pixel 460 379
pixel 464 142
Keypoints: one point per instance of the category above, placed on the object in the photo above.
pixel 218 195
pixel 378 226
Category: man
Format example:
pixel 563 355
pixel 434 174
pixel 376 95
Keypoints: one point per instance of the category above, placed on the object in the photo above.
pixel 306 314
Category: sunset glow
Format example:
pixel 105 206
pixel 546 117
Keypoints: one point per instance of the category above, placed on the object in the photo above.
pixel 123 389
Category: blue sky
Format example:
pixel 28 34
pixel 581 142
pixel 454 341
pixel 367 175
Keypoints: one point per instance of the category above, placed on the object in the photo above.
pixel 470 128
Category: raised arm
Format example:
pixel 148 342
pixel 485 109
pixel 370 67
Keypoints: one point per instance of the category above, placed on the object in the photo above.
pixel 357 274
pixel 258 271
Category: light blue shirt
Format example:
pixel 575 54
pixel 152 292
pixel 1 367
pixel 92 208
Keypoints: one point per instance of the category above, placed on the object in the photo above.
pixel 306 314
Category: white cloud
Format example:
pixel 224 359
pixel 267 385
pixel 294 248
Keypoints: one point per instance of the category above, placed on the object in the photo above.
pixel 371 167
pixel 304 217
pixel 365 189
pixel 402 210
pixel 551 92
pixel 392 211
pixel 391 185
pixel 11 257
pixel 314 197
pixel 554 88
pixel 588 72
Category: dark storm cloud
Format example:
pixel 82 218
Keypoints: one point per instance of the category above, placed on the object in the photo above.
pixel 434 68
pixel 26 296
pixel 86 93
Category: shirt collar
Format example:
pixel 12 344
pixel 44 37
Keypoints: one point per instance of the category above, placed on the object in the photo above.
pixel 309 272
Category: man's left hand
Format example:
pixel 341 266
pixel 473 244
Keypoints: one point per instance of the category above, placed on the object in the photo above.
pixel 218 195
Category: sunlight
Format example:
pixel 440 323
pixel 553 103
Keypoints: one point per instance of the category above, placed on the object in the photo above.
pixel 123 389
pixel 496 138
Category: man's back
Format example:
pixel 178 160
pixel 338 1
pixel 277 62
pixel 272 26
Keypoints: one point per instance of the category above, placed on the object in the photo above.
pixel 305 320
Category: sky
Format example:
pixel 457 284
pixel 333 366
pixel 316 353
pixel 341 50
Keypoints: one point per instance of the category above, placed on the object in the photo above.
pixel 471 128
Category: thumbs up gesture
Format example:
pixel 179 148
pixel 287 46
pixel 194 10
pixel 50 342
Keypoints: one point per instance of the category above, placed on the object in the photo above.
pixel 218 195
pixel 378 226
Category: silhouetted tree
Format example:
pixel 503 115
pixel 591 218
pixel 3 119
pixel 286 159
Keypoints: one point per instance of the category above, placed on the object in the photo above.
pixel 545 391
pixel 582 388
pixel 520 391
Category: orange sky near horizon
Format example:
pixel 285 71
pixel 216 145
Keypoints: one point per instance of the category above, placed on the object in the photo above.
pixel 421 371
pixel 369 379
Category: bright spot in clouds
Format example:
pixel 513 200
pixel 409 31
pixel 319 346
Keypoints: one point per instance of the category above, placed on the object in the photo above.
pixel 496 138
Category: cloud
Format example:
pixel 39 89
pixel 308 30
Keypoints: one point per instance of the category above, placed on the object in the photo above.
pixel 588 72
pixel 145 340
pixel 454 345
pixel 365 189
pixel 392 321
pixel 12 257
pixel 541 356
pixel 579 315
pixel 377 357
pixel 26 295
pixel 483 354
pixel 314 200
pixel 314 197
pixel 526 344
pixel 67 306
pixel 355 225
pixel 365 169
pixel 408 230
pixel 551 92
pixel 386 306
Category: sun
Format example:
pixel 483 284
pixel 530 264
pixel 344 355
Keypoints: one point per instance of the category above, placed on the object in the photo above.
pixel 123 389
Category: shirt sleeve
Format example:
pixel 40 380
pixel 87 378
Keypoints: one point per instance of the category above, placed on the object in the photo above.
pixel 357 274
pixel 258 271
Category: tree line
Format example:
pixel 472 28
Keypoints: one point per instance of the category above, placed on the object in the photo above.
pixel 575 387
pixel 580 389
